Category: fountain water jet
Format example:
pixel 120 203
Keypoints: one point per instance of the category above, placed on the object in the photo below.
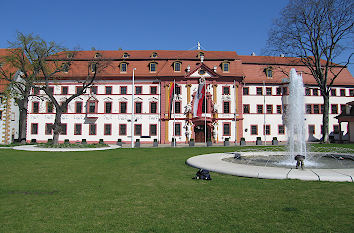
pixel 295 119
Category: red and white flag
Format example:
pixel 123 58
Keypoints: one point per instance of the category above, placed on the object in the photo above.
pixel 198 100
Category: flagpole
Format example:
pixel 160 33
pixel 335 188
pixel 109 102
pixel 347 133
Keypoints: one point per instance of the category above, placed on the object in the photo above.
pixel 205 112
pixel 174 112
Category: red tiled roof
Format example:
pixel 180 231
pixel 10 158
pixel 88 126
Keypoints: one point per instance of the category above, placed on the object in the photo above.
pixel 4 83
pixel 254 70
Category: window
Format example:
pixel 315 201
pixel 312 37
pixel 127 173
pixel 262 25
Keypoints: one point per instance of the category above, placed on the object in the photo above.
pixel 225 67
pixel 108 107
pixel 259 109
pixel 77 129
pixel 36 90
pixel 65 109
pixel 152 67
pixel 254 130
pixel 281 129
pixel 123 67
pixel 78 89
pixel 123 107
pixel 35 107
pixel 0 115
pixel 351 92
pixel 269 72
pixel 153 130
pixel 245 91
pixel 333 92
pixel 93 67
pixel 153 90
pixel 64 90
pixel 279 109
pixel 308 109
pixel 107 129
pixel 307 91
pixel 315 92
pixel 311 129
pixel 49 107
pixel 268 90
pixel 78 107
pixel 334 108
pixel 51 90
pixel 34 128
pixel 322 108
pixel 178 129
pixel 259 91
pixel 342 108
pixel 177 107
pixel 94 90
pixel 125 55
pixel 226 129
pixel 316 109
pixel 122 129
pixel 154 54
pixel 278 91
pixel 108 90
pixel 336 129
pixel 266 130
pixel 63 130
pixel 48 129
pixel 153 107
pixel 138 106
pixel 177 66
pixel 226 90
pixel 137 130
pixel 226 107
pixel 246 108
pixel 269 108
pixel 123 90
pixel 138 90
pixel 177 90
pixel 92 129
pixel 285 90
pixel 92 107
pixel 342 92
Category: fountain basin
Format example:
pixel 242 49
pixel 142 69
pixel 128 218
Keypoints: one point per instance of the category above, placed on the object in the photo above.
pixel 217 162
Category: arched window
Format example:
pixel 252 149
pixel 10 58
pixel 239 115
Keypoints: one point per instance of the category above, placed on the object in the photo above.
pixel 125 55
pixel 269 72
pixel 123 67
pixel 177 66
pixel 152 66
pixel 154 55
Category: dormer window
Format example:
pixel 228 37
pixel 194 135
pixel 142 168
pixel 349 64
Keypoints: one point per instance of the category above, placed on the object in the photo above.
pixel 200 54
pixel 65 67
pixel 97 55
pixel 154 55
pixel 93 67
pixel 69 55
pixel 225 66
pixel 123 67
pixel 125 55
pixel 177 66
pixel 153 67
pixel 269 72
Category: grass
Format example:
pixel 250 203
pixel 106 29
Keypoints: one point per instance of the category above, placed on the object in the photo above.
pixel 151 190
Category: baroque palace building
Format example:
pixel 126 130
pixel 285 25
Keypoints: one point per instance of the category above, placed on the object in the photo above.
pixel 246 97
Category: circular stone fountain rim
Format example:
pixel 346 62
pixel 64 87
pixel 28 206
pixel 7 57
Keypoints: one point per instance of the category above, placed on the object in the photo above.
pixel 268 153
pixel 215 163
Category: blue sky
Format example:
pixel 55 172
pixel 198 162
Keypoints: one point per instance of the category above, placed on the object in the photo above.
pixel 233 25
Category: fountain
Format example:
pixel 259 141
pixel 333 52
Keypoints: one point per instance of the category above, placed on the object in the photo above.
pixel 330 166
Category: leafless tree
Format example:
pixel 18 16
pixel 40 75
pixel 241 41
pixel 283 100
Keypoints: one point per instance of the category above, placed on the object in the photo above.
pixel 317 32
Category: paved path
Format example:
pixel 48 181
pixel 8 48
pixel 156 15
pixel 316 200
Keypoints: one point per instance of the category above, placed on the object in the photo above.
pixel 214 162
pixel 36 148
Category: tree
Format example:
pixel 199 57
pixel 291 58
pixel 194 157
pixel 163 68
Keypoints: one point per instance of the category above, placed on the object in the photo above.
pixel 317 32
pixel 21 72
pixel 51 66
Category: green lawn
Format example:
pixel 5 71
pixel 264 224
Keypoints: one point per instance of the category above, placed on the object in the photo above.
pixel 151 190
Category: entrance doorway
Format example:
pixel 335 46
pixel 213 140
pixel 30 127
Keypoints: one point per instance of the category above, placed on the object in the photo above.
pixel 199 132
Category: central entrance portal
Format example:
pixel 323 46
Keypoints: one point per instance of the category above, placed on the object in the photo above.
pixel 199 132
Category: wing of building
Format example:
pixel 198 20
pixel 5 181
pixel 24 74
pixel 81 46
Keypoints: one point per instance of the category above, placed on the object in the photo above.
pixel 9 112
pixel 242 97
